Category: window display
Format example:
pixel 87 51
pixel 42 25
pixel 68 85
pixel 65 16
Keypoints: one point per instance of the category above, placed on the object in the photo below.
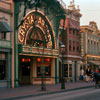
pixel 46 69
pixel 44 64
pixel 68 70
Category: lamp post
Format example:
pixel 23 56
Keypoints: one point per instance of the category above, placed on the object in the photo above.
pixel 62 49
pixel 37 4
pixel 43 84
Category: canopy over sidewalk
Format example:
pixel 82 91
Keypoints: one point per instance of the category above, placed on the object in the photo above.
pixel 93 62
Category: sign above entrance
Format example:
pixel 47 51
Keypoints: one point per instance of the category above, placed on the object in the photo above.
pixel 37 51
pixel 36 29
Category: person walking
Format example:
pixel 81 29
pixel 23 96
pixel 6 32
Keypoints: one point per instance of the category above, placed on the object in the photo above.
pixel 97 78
pixel 82 74
pixel 88 73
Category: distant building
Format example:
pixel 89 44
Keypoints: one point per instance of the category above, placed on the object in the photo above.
pixel 71 38
pixel 90 45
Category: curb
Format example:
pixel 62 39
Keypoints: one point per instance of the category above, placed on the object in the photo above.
pixel 40 94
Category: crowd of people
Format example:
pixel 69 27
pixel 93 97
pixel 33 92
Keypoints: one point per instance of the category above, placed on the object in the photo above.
pixel 85 75
pixel 88 74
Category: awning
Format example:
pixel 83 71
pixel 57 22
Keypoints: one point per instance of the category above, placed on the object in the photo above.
pixel 4 27
pixel 91 62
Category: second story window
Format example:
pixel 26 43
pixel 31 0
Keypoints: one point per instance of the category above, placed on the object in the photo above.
pixel 73 45
pixel 88 45
pixel 69 45
pixel 97 47
pixel 74 31
pixel 5 29
pixel 77 32
pixel 3 35
pixel 70 31
pixel 77 46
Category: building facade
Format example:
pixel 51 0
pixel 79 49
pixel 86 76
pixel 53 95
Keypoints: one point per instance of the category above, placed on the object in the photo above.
pixel 31 53
pixel 36 49
pixel 71 39
pixel 90 46
pixel 5 43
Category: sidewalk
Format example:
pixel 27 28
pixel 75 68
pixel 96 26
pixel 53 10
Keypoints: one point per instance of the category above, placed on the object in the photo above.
pixel 35 90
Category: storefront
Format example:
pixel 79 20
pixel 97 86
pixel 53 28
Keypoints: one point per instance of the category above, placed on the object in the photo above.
pixel 5 68
pixel 31 69
pixel 36 41
pixel 72 70
pixel 37 51
pixel 5 54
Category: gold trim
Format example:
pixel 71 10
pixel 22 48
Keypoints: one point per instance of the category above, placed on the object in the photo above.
pixel 94 56
pixel 37 55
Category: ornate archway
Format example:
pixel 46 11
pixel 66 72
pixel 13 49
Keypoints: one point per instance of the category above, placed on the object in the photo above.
pixel 36 31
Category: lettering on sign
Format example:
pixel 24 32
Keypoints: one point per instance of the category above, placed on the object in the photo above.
pixel 35 20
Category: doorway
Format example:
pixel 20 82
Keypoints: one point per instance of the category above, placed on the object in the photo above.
pixel 24 70
pixel 2 70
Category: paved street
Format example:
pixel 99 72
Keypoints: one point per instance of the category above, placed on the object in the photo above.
pixel 35 90
pixel 84 94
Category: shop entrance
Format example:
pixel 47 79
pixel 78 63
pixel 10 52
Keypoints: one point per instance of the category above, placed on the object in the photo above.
pixel 2 70
pixel 24 70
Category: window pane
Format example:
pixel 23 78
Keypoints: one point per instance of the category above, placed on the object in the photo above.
pixel 2 70
pixel 70 70
pixel 66 70
pixel 73 45
pixel 3 35
pixel 47 70
pixel 69 45
pixel 2 56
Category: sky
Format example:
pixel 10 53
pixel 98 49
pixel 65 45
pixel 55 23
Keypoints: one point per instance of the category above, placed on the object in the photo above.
pixel 90 10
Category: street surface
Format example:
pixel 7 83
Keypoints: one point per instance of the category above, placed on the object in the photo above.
pixel 84 94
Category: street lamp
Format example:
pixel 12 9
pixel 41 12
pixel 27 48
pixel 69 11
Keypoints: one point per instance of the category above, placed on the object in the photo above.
pixel 62 50
pixel 37 4
pixel 43 86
